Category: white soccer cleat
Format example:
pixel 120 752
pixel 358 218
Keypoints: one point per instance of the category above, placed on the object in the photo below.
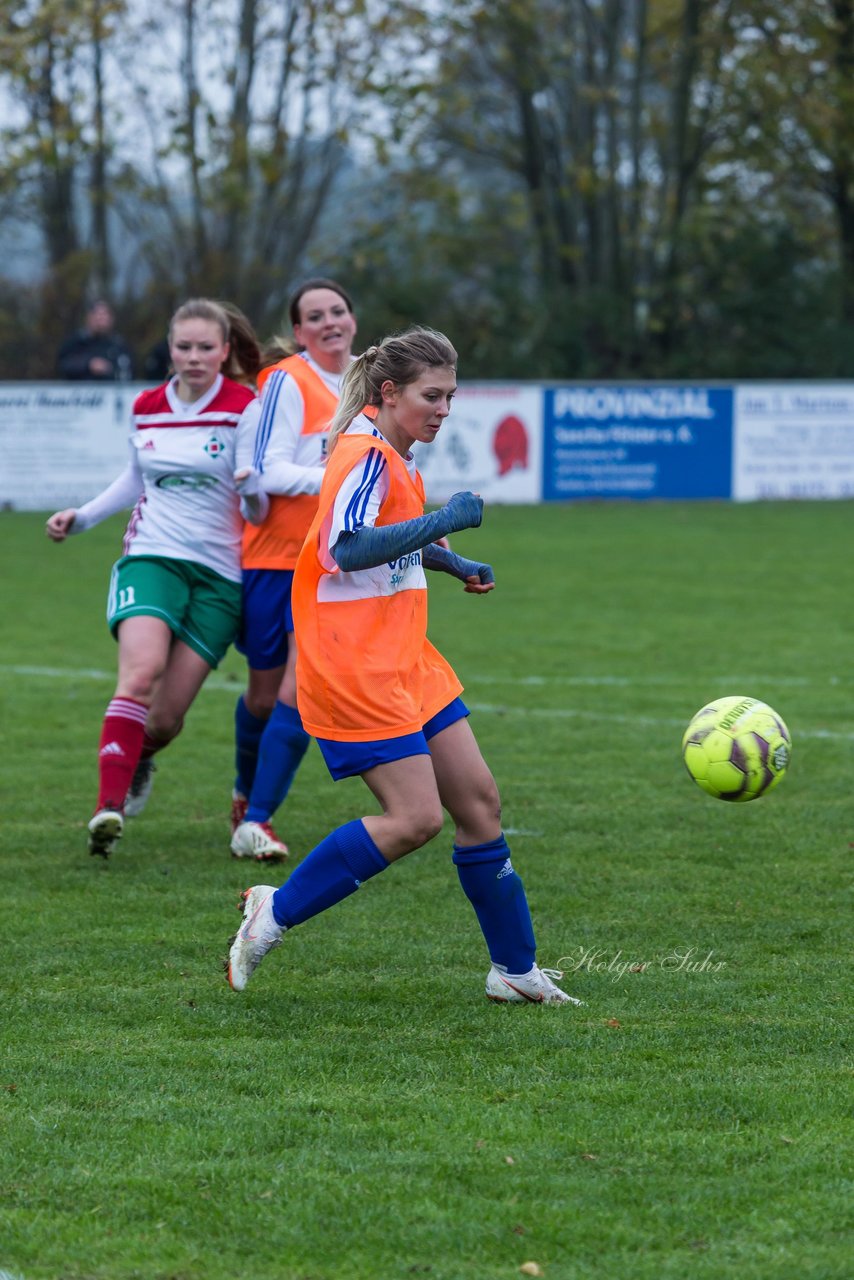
pixel 105 830
pixel 535 987
pixel 140 788
pixel 257 935
pixel 258 841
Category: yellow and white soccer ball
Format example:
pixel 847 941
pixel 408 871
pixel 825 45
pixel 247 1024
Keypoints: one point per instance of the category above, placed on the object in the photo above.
pixel 737 748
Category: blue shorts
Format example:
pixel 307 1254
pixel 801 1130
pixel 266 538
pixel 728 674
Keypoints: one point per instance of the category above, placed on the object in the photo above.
pixel 348 759
pixel 267 617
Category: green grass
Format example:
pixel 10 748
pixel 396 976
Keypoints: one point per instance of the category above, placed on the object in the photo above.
pixel 361 1112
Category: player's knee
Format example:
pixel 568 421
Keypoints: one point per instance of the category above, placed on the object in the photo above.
pixel 260 705
pixel 138 684
pixel 425 824
pixel 487 799
pixel 262 693
pixel 478 815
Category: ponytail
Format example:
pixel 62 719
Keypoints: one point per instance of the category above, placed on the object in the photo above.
pixel 355 394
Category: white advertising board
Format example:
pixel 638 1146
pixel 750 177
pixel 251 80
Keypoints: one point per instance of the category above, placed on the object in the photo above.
pixel 491 443
pixel 61 442
pixel 793 440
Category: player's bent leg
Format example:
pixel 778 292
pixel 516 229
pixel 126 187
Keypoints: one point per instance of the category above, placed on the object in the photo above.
pixel 282 746
pixel 334 870
pixel 486 873
pixel 253 711
pixel 412 810
pixel 262 690
pixel 349 856
pixel 466 786
pixel 143 651
pixel 185 673
pixel 248 731
pixel 281 751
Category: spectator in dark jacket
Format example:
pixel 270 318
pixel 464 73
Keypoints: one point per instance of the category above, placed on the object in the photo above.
pixel 157 365
pixel 96 353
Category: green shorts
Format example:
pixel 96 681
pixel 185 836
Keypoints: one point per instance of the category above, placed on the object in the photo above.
pixel 199 606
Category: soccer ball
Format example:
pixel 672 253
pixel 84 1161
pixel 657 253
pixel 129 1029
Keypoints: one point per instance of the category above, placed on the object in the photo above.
pixel 736 748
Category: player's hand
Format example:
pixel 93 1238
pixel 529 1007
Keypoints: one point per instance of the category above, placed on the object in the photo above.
pixel 247 481
pixel 464 510
pixel 59 525
pixel 480 582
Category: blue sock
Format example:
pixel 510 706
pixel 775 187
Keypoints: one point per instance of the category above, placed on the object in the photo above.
pixel 333 870
pixel 283 745
pixel 498 897
pixel 247 738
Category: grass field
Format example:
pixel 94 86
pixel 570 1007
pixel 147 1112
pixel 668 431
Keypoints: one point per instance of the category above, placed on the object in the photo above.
pixel 361 1112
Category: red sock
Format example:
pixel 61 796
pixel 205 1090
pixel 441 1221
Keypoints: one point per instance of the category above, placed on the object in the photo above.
pixel 121 746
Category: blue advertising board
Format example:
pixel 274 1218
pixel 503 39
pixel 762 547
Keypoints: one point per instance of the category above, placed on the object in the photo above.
pixel 637 441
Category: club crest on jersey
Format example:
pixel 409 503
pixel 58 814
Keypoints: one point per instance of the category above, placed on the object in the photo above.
pixel 214 446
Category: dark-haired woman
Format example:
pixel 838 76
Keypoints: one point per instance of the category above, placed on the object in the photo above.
pixel 299 397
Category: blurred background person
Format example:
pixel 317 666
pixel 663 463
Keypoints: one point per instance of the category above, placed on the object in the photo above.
pixel 157 365
pixel 299 397
pixel 96 353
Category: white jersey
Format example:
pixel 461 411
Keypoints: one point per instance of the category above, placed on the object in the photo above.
pixel 181 477
pixel 290 458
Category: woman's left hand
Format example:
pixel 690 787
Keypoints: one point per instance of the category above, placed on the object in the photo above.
pixel 479 583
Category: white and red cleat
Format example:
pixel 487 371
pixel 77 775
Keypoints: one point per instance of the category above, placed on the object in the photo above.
pixel 534 987
pixel 259 842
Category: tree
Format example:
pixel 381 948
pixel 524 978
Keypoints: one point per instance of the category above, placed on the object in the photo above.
pixel 624 126
pixel 245 143
pixel 802 114
pixel 51 68
pixel 187 149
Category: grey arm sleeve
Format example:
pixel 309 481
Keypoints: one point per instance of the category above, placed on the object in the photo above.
pixel 446 561
pixel 369 546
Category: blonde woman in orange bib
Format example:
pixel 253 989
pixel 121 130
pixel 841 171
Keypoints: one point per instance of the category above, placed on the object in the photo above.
pixel 380 699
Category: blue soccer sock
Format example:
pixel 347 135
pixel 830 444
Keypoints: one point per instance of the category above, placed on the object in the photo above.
pixel 498 897
pixel 247 739
pixel 332 871
pixel 283 745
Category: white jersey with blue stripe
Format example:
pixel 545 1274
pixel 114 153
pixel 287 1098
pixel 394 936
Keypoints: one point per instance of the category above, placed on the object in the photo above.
pixel 357 505
pixel 290 462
